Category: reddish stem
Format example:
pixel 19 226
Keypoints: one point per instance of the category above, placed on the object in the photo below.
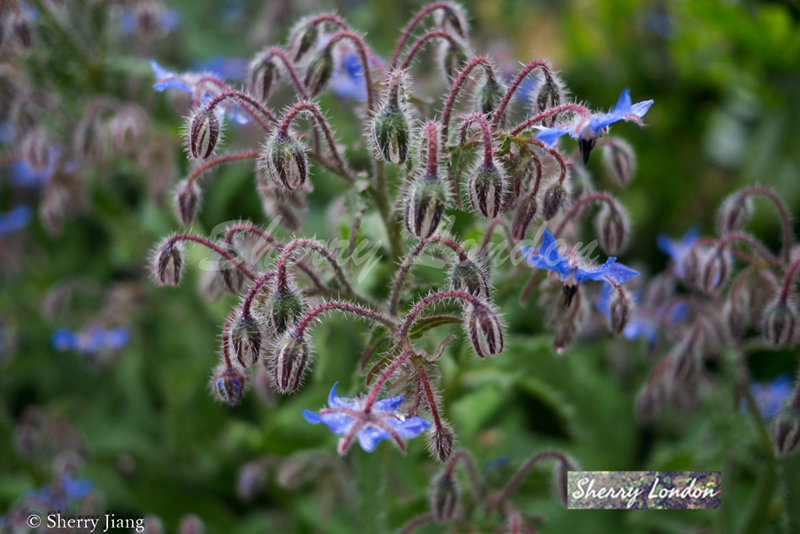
pixel 432 168
pixel 362 54
pixel 514 86
pixel 469 465
pixel 786 287
pixel 525 468
pixel 552 111
pixel 251 294
pixel 218 161
pixel 344 307
pixel 585 199
pixel 208 244
pixel 320 249
pixel 417 522
pixel 459 83
pixel 488 155
pixel 249 100
pixel 410 28
pixel 384 376
pixel 431 299
pixel 422 41
pixel 750 240
pixel 226 333
pixel 277 52
pixel 784 213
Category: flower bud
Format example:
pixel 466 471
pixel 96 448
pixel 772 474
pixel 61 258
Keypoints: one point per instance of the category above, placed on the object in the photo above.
pixel 620 309
pixel 187 197
pixel 251 480
pixel 612 229
pixel 444 497
pixel 304 36
pixel 549 94
pixel 230 276
pixel 734 213
pixel 554 199
pixel 391 133
pixel 296 470
pixel 292 356
pixel 564 335
pixel 264 385
pixel 191 524
pixel 246 339
pixel 167 264
pixel 648 402
pixel 284 160
pixel 204 133
pixel 152 525
pixel 454 59
pixel 526 211
pixel 148 13
pixel 786 430
pixel 685 363
pixel 488 97
pixel 319 72
pixel 425 203
pixel 20 30
pixel 486 188
pixel 714 272
pixel 35 148
pixel 284 309
pixel 470 277
pixel 451 18
pixel 484 330
pixel 126 129
pixel 228 385
pixel 619 160
pixel 441 441
pixel 779 324
pixel 263 76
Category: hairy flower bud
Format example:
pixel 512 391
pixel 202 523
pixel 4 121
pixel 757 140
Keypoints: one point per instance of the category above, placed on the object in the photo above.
pixel 19 29
pixel 619 160
pixel 488 97
pixel 470 277
pixel 292 356
pixel 187 198
pixel 229 275
pixel 251 479
pixel 779 324
pixel 228 385
pixel 549 94
pixel 204 133
pixel 564 335
pixel 263 75
pixel 526 211
pixel 284 160
pixel 303 37
pixel 454 59
pixel 246 339
pixel 786 430
pixel 486 187
pixel 283 309
pixel 167 264
pixel 714 272
pixel 391 133
pixel 441 441
pixel 451 18
pixel 126 129
pixel 319 72
pixel 484 330
pixel 620 309
pixel 554 199
pixel 35 148
pixel 612 230
pixel 444 498
pixel 425 203
pixel 734 213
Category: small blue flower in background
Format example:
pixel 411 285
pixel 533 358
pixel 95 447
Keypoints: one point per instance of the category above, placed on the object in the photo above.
pixel 92 340
pixel 187 83
pixel 570 271
pixel 587 129
pixel 23 175
pixel 6 132
pixel 770 396
pixel 65 494
pixel 228 68
pixel 348 78
pixel 346 416
pixel 16 219
pixel 168 20
pixel 640 325
pixel 678 250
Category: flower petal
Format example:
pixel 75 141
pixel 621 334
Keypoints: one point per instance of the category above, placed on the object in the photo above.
pixel 335 401
pixel 312 417
pixel 409 428
pixel 548 136
pixel 619 273
pixel 623 105
pixel 548 256
pixel 389 404
pixel 369 436
pixel 338 423
pixel 594 273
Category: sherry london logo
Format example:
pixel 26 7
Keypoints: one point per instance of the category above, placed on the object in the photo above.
pixel 655 490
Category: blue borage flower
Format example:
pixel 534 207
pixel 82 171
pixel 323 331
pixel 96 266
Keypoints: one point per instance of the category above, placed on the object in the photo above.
pixel 770 397
pixel 187 82
pixel 92 340
pixel 587 129
pixel 640 325
pixel 348 417
pixel 678 250
pixel 23 175
pixel 347 80
pixel 65 493
pixel 570 271
pixel 17 218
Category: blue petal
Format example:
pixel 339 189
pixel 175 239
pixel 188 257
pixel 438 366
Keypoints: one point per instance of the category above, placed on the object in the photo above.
pixel 389 404
pixel 63 339
pixel 369 436
pixel 548 256
pixel 75 489
pixel 170 20
pixel 636 328
pixel 594 273
pixel 603 301
pixel 335 401
pixel 410 428
pixel 548 136
pixel 598 122
pixel 116 338
pixel 173 83
pixel 128 22
pixel 160 72
pixel 623 105
pixel 619 273
pixel 338 423
pixel 641 108
pixel 16 219
pixel 312 417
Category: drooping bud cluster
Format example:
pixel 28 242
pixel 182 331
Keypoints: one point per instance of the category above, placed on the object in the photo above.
pixel 488 97
pixel 526 211
pixel 283 309
pixel 549 94
pixel 444 497
pixel 620 160
pixel 203 133
pixel 319 71
pixel 620 309
pixel 425 203
pixel 230 276
pixel 284 161
pixel 779 323
pixel 555 197
pixel 246 339
pixel 303 38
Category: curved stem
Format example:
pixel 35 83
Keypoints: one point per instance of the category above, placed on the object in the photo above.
pixel 487 235
pixel 429 395
pixel 277 52
pixel 410 28
pixel 344 307
pixel 417 522
pixel 488 155
pixel 591 197
pixel 337 21
pixel 514 86
pixel 422 41
pixel 432 299
pixel 457 85
pixel 320 249
pixel 469 465
pixel 218 161
pixel 784 214
pixel 249 100
pixel 208 244
pixel 562 175
pixel 523 471
pixel 786 286
pixel 384 376
pixel 362 54
pixel 552 111
pixel 207 79
pixel 750 240
pixel 251 293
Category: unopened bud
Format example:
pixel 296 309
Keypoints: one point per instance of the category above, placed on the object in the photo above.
pixel 619 160
pixel 620 309
pixel 292 356
pixel 488 97
pixel 451 18
pixel 554 199
pixel 486 187
pixel 246 339
pixel 425 203
pixel 229 275
pixel 126 129
pixel 251 480
pixel 228 385
pixel 469 276
pixel 284 309
pixel 264 76
pixel 454 59
pixel 152 525
pixel 441 441
pixel 284 161
pixel 167 264
pixel 714 272
pixel 444 497
pixel 204 133
pixel 485 331
pixel 19 28
pixel 296 470
pixel 191 524
pixel 779 324
pixel 526 211
pixel 319 72
pixel 734 213
pixel 685 363
pixel 564 335
pixel 612 229
pixel 391 133
pixel 35 148
pixel 786 430
pixel 304 37
pixel 187 198
pixel 549 94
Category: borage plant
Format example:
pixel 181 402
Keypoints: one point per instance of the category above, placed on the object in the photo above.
pixel 474 157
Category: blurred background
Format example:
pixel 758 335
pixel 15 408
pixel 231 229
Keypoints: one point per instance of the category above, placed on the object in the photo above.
pixel 104 377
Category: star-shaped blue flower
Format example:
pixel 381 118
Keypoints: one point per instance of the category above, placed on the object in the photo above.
pixel 678 250
pixel 24 175
pixel 770 397
pixel 570 271
pixel 17 218
pixel 350 417
pixel 587 129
